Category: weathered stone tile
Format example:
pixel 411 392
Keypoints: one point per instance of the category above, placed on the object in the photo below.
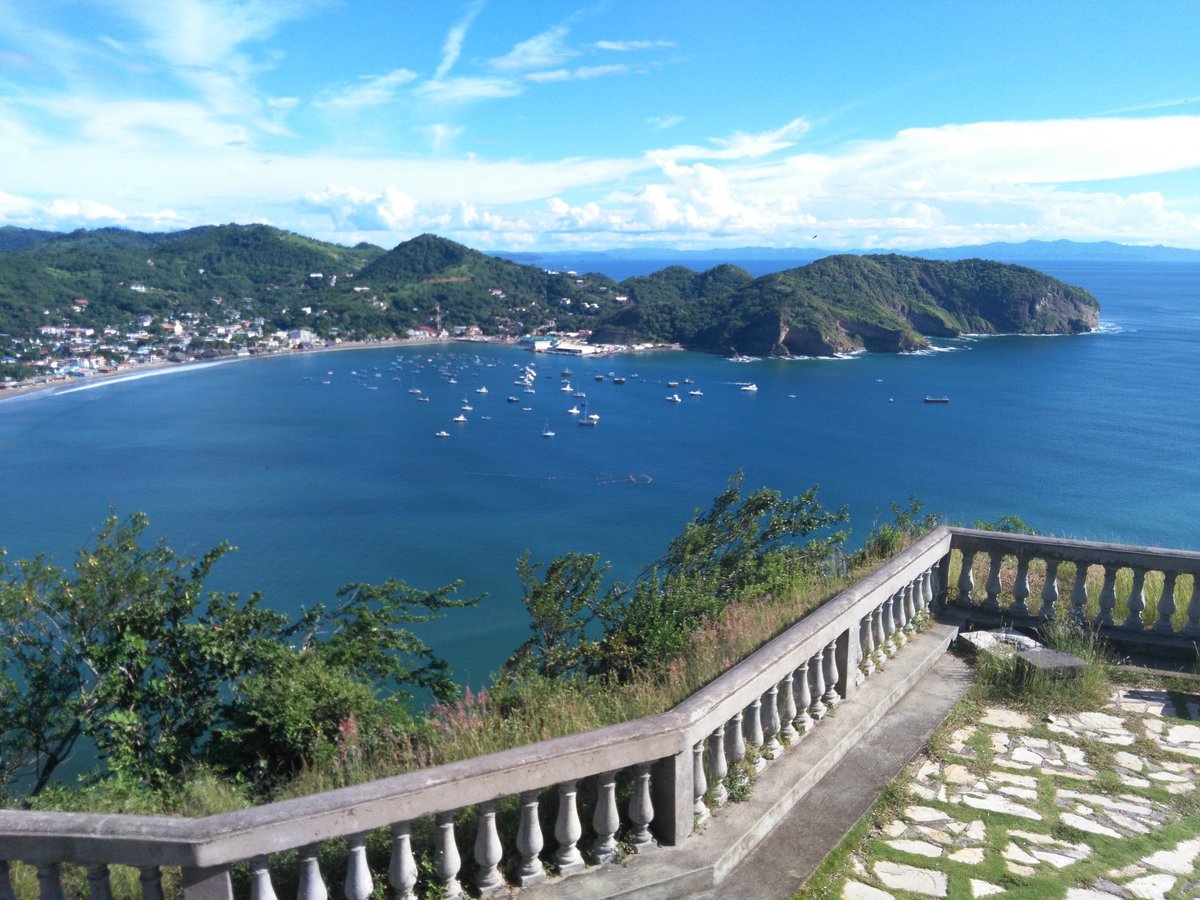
pixel 956 774
pixel 999 717
pixel 925 814
pixel 928 882
pixel 856 890
pixel 1183 734
pixel 1178 860
pixel 916 848
pixel 1127 760
pixel 971 856
pixel 1025 755
pixel 895 828
pixel 1092 894
pixel 1087 825
pixel 976 831
pixel 1128 871
pixel 993 803
pixel 1000 742
pixel 1025 781
pixel 1151 887
pixel 1013 853
pixel 1058 860
pixel 1018 792
pixel 1018 869
pixel 980 888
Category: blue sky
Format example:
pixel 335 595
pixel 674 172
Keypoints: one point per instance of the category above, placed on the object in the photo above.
pixel 556 125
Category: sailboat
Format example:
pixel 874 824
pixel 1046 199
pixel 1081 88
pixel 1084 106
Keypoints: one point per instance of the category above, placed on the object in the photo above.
pixel 546 432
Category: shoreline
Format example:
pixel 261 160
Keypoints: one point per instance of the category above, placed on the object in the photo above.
pixel 66 381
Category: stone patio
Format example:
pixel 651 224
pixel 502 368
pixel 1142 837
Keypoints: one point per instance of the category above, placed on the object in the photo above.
pixel 1093 805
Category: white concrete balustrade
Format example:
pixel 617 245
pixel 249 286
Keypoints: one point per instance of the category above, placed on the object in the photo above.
pixel 1132 596
pixel 673 768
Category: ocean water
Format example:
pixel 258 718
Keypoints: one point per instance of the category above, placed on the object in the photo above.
pixel 1093 436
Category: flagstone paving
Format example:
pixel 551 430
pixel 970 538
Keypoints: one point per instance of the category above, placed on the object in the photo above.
pixel 1083 807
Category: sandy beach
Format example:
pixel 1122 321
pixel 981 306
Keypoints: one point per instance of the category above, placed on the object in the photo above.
pixel 51 385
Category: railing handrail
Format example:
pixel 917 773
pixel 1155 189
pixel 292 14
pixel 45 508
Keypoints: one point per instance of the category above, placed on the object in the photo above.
pixel 1161 559
pixel 89 838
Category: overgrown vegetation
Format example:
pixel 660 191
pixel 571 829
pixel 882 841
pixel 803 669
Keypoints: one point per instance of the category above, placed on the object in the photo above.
pixel 199 701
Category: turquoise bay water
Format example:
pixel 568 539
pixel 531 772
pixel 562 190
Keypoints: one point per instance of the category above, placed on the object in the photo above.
pixel 319 484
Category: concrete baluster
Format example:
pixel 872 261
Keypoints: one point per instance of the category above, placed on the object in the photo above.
pixel 803 720
pixel 1137 601
pixel 358 884
pixel 879 636
pixel 899 637
pixel 699 783
pixel 866 629
pixel 150 879
pixel 717 768
pixel 816 669
pixel 831 698
pixel 753 731
pixel 402 868
pixel 1166 605
pixel 1020 591
pixel 1108 595
pixel 567 830
pixel 641 810
pixel 889 627
pixel 787 696
pixel 911 591
pixel 735 743
pixel 312 886
pixel 606 819
pixel 1079 596
pixel 1049 610
pixel 99 887
pixel 446 860
pixel 770 705
pixel 488 852
pixel 260 880
pixel 927 592
pixel 529 842
pixel 993 587
pixel 966 579
pixel 50 882
pixel 1193 625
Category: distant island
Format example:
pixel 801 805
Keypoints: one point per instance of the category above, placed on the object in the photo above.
pixel 104 298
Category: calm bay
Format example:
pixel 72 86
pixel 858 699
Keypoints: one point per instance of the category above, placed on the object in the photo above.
pixel 319 484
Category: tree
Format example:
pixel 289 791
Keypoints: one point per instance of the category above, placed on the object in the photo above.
pixel 562 605
pixel 128 651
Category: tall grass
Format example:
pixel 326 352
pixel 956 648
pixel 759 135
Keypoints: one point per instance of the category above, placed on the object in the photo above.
pixel 1005 679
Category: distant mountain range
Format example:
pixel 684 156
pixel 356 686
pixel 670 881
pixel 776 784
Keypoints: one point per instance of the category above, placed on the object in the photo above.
pixel 1029 252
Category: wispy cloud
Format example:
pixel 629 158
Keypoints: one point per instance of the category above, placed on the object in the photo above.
pixel 627 46
pixel 465 89
pixel 542 51
pixel 582 73
pixel 370 90
pixel 664 122
pixel 452 46
pixel 739 145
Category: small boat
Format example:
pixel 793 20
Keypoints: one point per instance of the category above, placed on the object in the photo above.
pixel 579 395
pixel 574 410
pixel 442 434
pixel 459 418
pixel 422 399
pixel 937 399
pixel 512 399
pixel 749 387
pixel 672 384
pixel 620 379
pixel 546 432
pixel 467 407
pixel 599 377
pixel 481 390
pixel 566 373
pixel 566 388
pixel 589 422
pixel 696 393
pixel 414 390
pixel 674 398
pixel 689 381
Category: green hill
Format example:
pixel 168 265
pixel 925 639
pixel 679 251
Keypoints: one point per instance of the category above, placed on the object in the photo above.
pixel 228 273
pixel 844 303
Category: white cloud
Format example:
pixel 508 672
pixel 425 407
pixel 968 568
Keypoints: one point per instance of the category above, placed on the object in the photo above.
pixel 457 90
pixel 354 208
pixel 665 122
pixel 626 46
pixel 542 51
pixel 452 46
pixel 740 145
pixel 369 90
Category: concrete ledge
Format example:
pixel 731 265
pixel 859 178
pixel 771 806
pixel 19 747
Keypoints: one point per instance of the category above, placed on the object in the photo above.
pixel 733 832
